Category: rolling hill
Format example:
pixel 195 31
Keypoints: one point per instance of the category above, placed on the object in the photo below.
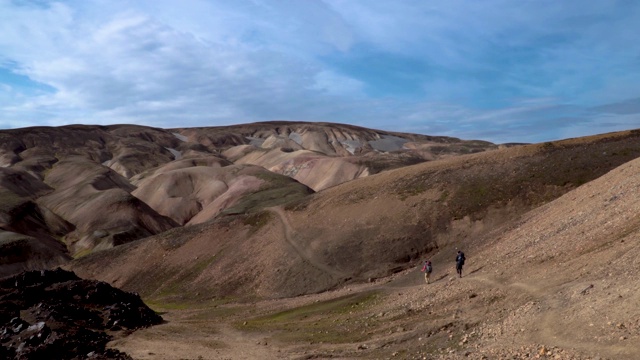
pixel 293 265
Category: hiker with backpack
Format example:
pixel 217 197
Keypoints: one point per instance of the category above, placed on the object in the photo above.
pixel 459 262
pixel 427 269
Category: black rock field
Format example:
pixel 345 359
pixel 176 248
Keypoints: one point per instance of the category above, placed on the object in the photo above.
pixel 54 314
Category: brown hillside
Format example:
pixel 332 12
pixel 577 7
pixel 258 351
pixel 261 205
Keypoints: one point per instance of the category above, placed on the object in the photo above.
pixel 199 193
pixel 550 236
pixel 100 186
pixel 85 192
pixel 29 233
pixel 321 155
pixel 378 225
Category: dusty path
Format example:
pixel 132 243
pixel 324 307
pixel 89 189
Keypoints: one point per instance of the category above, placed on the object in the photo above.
pixel 204 334
pixel 304 252
pixel 184 336
pixel 551 326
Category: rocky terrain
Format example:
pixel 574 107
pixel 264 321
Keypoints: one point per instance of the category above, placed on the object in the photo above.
pixel 257 260
pixel 56 315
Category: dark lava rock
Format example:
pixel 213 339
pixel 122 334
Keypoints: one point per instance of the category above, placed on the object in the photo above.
pixel 53 314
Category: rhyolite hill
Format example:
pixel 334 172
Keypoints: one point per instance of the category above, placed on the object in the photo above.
pixel 71 190
pixel 549 229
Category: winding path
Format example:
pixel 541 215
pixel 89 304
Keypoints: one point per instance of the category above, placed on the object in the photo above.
pixel 551 328
pixel 304 252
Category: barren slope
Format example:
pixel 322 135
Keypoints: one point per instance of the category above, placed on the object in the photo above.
pixel 321 155
pixel 557 283
pixel 371 227
pixel 200 192
pixel 95 176
pixel 356 244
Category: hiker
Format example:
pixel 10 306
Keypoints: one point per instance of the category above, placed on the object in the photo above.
pixel 427 269
pixel 459 262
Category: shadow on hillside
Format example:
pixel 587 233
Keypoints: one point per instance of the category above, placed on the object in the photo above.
pixel 441 277
pixel 476 270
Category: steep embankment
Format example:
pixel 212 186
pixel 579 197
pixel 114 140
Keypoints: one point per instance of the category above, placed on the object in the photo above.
pixel 579 255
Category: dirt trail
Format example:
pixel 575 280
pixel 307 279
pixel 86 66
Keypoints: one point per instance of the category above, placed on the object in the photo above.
pixel 551 329
pixel 185 337
pixel 304 252
pixel 200 334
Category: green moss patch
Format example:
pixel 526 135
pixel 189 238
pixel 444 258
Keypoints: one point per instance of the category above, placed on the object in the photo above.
pixel 341 320
pixel 258 220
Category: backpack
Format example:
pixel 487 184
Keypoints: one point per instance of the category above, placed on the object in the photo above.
pixel 428 267
pixel 460 259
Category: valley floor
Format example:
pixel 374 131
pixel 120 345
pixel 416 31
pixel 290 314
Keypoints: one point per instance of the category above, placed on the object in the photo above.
pixel 483 315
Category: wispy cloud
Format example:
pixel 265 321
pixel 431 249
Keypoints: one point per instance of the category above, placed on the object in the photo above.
pixel 497 70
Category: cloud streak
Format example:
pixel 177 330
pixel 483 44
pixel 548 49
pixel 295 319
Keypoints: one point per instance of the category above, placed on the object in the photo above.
pixel 497 70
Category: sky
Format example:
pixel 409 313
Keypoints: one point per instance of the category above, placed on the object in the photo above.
pixel 495 70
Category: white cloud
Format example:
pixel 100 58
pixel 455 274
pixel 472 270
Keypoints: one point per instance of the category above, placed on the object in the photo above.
pixel 208 62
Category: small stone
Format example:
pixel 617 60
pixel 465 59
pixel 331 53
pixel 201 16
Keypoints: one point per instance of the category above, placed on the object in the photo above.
pixel 542 351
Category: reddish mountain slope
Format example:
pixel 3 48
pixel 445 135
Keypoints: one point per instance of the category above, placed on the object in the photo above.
pixel 94 187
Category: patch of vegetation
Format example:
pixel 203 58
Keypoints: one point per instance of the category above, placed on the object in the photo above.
pixel 548 146
pixel 277 190
pixel 82 253
pixel 272 180
pixel 161 307
pixel 407 187
pixel 547 172
pixel 469 147
pixel 299 204
pixel 213 309
pixel 543 177
pixel 413 191
pixel 258 220
pixel 390 161
pixel 9 201
pixel 334 321
pixel 175 287
pixel 444 195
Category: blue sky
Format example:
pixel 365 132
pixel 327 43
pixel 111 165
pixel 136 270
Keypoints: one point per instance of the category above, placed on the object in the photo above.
pixel 497 70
